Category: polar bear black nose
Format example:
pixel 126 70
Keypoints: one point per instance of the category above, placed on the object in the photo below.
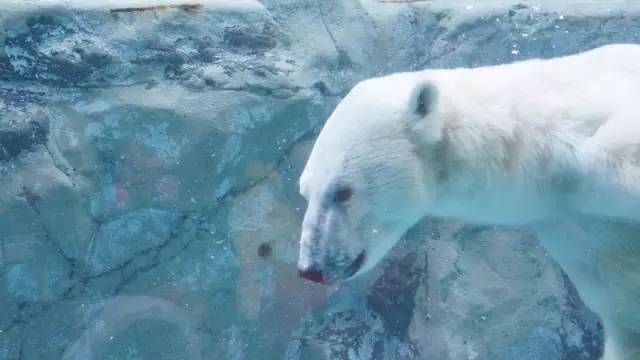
pixel 311 274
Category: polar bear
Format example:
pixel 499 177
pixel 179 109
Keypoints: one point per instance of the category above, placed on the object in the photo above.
pixel 552 145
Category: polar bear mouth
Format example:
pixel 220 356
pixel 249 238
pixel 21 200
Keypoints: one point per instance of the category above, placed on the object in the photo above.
pixel 355 265
pixel 319 277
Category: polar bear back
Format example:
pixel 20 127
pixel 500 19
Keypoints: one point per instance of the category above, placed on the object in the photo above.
pixel 592 86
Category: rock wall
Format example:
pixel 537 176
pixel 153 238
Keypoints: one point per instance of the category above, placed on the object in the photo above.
pixel 149 156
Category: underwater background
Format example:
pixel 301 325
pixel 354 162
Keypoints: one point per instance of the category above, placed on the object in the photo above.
pixel 149 159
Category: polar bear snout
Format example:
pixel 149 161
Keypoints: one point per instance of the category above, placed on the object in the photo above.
pixel 330 248
pixel 330 251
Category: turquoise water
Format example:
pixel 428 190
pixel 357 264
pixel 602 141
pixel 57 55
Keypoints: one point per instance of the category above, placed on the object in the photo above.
pixel 149 209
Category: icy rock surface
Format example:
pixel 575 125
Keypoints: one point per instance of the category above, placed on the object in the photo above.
pixel 149 156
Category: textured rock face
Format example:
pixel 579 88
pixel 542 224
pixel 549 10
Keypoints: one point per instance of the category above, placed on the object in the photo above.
pixel 149 158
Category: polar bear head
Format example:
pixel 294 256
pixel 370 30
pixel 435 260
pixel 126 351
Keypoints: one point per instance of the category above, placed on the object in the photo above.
pixel 371 175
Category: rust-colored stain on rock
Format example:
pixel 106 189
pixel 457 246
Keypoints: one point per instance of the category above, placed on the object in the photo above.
pixel 183 7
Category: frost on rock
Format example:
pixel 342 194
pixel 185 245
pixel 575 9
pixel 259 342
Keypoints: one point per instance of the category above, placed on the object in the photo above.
pixel 149 157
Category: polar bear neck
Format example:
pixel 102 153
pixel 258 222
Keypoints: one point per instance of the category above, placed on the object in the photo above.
pixel 496 158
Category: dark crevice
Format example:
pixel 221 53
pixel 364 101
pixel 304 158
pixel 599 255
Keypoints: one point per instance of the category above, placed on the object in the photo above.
pixel 31 199
pixel 156 253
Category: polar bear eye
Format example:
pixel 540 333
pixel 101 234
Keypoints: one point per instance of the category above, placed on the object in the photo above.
pixel 343 194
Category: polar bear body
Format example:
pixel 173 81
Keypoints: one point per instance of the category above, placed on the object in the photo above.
pixel 547 144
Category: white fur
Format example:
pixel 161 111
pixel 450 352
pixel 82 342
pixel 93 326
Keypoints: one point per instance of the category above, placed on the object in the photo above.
pixel 549 144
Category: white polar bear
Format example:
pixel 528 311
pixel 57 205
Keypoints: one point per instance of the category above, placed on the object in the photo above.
pixel 553 145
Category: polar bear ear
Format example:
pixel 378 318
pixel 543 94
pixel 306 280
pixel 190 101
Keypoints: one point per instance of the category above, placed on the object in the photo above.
pixel 426 128
pixel 423 98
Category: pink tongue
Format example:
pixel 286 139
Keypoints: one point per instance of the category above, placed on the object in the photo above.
pixel 315 276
